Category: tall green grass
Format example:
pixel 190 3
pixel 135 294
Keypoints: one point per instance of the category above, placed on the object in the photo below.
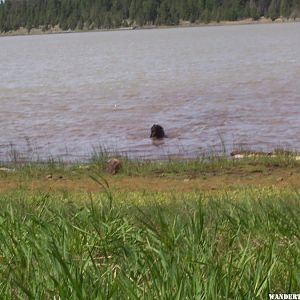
pixel 237 245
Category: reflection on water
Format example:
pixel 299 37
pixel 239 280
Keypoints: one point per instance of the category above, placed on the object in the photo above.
pixel 69 93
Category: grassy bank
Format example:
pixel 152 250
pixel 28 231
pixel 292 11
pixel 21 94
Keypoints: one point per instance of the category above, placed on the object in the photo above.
pixel 203 173
pixel 207 228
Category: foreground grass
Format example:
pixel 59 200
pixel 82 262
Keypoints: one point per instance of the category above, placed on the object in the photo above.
pixel 149 245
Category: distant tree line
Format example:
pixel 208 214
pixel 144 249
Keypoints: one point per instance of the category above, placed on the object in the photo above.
pixel 97 14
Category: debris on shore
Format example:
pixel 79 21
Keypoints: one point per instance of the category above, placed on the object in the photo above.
pixel 113 166
pixel 7 170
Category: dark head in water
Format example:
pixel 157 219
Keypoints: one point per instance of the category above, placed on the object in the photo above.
pixel 157 132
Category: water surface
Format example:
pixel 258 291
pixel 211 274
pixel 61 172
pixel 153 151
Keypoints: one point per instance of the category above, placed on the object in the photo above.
pixel 63 95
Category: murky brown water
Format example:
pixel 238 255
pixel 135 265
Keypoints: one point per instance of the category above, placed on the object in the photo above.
pixel 68 93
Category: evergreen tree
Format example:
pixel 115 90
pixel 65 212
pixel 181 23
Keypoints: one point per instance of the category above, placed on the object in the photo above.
pixel 254 13
pixel 284 9
pixel 273 10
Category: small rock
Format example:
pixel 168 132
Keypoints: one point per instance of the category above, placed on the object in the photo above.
pixel 84 167
pixel 7 170
pixel 238 155
pixel 113 166
pixel 49 176
pixel 186 180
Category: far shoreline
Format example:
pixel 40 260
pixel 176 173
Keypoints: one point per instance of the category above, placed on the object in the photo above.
pixel 184 24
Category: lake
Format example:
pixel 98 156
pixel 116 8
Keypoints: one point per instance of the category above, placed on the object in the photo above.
pixel 66 95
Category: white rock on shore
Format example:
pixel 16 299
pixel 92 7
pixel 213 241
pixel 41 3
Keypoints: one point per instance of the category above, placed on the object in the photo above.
pixel 7 170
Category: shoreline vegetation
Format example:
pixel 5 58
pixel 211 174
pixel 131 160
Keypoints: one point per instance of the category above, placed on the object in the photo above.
pixel 206 173
pixel 57 30
pixel 215 227
pixel 49 16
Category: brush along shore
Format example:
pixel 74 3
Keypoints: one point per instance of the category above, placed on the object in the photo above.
pixel 243 169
